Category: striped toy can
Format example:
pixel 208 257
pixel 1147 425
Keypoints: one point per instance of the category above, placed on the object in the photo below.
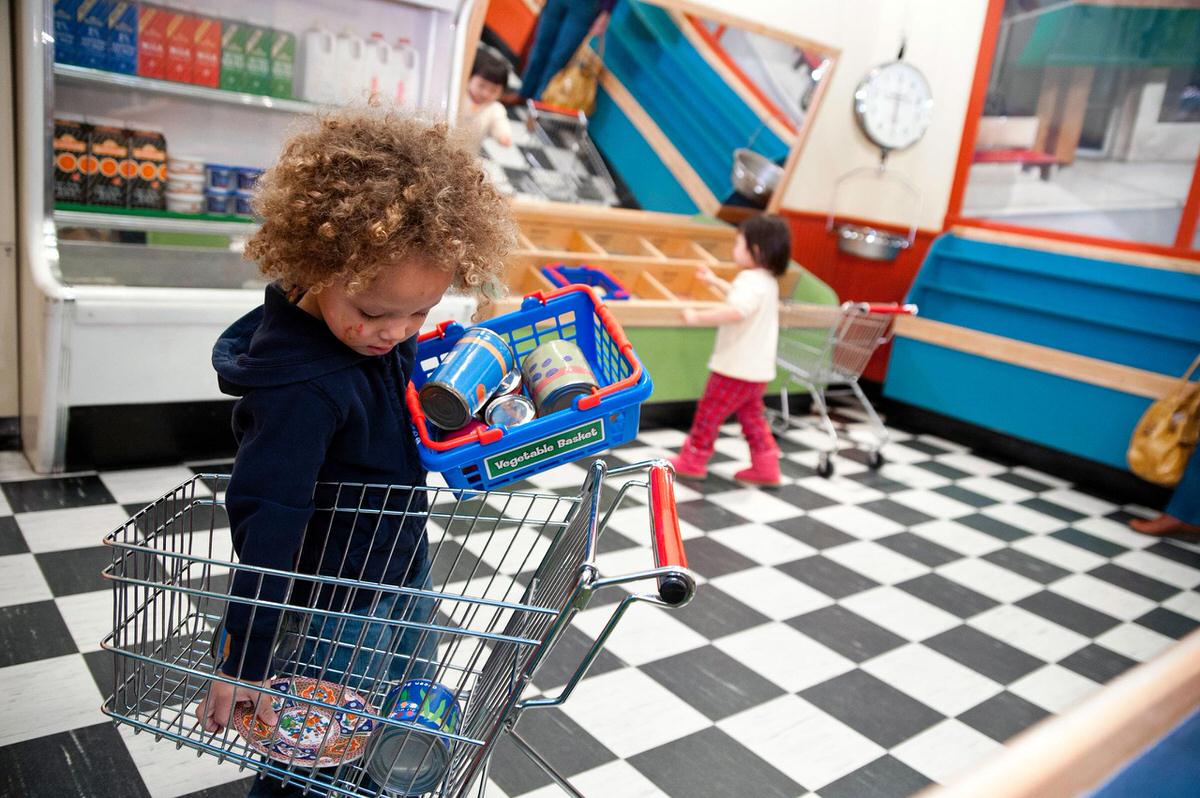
pixel 555 373
pixel 466 378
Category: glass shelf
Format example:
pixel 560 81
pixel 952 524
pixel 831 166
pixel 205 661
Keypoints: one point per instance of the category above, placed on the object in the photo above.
pixel 68 215
pixel 85 75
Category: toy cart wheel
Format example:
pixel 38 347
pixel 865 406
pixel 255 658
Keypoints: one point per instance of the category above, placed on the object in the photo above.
pixel 825 466
pixel 875 460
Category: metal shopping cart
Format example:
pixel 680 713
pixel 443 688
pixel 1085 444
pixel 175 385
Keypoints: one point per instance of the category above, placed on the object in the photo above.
pixel 509 571
pixel 821 348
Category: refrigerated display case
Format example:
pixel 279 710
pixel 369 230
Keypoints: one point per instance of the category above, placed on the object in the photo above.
pixel 120 304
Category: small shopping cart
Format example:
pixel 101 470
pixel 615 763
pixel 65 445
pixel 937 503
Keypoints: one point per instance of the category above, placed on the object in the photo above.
pixel 820 348
pixel 509 571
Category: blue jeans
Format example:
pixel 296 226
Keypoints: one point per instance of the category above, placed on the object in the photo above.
pixel 360 649
pixel 561 28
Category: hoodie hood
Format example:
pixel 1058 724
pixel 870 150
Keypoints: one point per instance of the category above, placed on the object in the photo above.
pixel 278 344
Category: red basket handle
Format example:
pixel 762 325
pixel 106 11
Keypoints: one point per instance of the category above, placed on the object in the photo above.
pixel 668 540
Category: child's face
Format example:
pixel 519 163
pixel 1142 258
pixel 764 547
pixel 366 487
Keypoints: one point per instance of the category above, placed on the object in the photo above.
pixel 742 256
pixel 483 91
pixel 388 311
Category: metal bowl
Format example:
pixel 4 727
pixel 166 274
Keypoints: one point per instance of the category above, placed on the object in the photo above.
pixel 867 242
pixel 754 176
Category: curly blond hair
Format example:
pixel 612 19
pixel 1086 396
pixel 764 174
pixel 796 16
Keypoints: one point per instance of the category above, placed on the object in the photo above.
pixel 359 190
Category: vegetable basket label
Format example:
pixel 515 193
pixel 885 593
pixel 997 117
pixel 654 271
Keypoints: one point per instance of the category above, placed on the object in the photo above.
pixel 545 448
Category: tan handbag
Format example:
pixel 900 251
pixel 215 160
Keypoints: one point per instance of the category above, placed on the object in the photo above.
pixel 575 84
pixel 1166 436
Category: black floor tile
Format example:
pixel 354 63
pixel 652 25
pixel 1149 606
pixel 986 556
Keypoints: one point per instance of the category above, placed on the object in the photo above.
pixel 34 495
pixel 562 741
pixel 75 570
pixel 790 469
pixel 918 548
pixel 1168 622
pixel 233 789
pixel 895 511
pixel 984 654
pixel 708 516
pixel 715 614
pixel 612 540
pixel 872 708
pixel 1037 486
pixel 1002 716
pixel 31 632
pixel 876 480
pixel 803 498
pixel 1105 548
pixel 829 577
pixel 851 635
pixel 100 663
pixel 91 761
pixel 711 559
pixel 813 532
pixel 991 526
pixel 1134 582
pixel 1179 554
pixel 559 665
pixel 924 446
pixel 948 595
pixel 1019 562
pixel 11 539
pixel 1046 507
pixel 943 470
pixel 961 494
pixel 1071 614
pixel 886 777
pixel 712 682
pixel 514 772
pixel 711 763
pixel 1098 663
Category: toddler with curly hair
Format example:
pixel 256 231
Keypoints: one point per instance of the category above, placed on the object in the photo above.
pixel 369 217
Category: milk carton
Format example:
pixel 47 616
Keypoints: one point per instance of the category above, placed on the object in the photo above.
pixel 233 54
pixel 317 64
pixel 181 45
pixel 258 59
pixel 66 31
pixel 283 64
pixel 152 41
pixel 206 52
pixel 122 38
pixel 407 74
pixel 92 27
pixel 349 67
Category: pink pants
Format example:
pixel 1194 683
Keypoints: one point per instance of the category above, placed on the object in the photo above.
pixel 722 397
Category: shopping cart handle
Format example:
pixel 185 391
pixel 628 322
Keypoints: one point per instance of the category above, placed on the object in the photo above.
pixel 668 542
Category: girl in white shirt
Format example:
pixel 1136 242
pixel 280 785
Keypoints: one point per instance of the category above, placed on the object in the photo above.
pixel 743 359
pixel 481 114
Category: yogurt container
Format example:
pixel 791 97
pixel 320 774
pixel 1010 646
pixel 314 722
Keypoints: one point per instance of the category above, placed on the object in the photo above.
pixel 219 203
pixel 247 176
pixel 220 177
pixel 185 165
pixel 184 184
pixel 185 203
pixel 242 203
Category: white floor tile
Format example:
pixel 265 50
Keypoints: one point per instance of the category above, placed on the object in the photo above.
pixel 21 580
pixel 946 750
pixel 854 520
pixel 932 678
pixel 877 562
pixel 1057 552
pixel 996 489
pixel 144 485
pixel 14 467
pixel 1135 641
pixel 840 489
pixel 1080 502
pixel 1041 476
pixel 1185 603
pixel 951 446
pixel 755 505
pixel 737 448
pixel 70 528
pixel 568 475
pixel 603 705
pixel 896 452
pixel 972 464
pixel 88 616
pixel 801 741
pixel 1160 568
pixel 169 772
pixel 644 634
pixel 993 581
pixel 1053 688
pixel 1024 518
pixel 763 544
pixel 665 438
pixel 1104 596
pixel 812 458
pixel 5 509
pixel 1115 532
pixel 914 476
pixel 792 660
pixel 958 537
pixel 899 612
pixel 772 592
pixel 934 504
pixel 617 778
pixel 808 435
pixel 1030 633
pixel 46 697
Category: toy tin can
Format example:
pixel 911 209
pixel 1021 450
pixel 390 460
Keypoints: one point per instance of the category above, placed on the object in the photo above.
pixel 555 373
pixel 470 374
pixel 408 761
pixel 509 410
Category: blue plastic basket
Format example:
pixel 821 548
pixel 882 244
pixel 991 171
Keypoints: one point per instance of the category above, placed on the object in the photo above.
pixel 562 275
pixel 485 459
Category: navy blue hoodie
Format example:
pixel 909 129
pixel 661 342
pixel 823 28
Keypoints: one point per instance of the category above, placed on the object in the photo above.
pixel 312 410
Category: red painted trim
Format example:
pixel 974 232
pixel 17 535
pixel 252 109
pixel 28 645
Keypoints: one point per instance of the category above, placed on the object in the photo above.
pixel 983 70
pixel 1076 238
pixel 719 31
pixel 712 41
pixel 1191 213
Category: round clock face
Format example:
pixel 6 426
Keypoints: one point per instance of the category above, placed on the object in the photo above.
pixel 894 105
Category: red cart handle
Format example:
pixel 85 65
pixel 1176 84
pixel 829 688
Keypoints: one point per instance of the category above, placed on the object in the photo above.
pixel 891 307
pixel 668 541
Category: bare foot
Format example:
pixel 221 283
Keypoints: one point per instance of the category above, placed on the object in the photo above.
pixel 1163 525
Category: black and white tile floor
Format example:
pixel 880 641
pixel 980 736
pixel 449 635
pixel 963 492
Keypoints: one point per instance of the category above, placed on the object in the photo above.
pixel 855 637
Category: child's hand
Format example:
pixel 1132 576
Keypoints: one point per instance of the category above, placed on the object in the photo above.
pixel 214 711
pixel 505 141
pixel 689 317
pixel 707 275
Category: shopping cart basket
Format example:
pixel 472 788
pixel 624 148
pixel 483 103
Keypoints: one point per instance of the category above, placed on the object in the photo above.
pixel 509 571
pixel 821 348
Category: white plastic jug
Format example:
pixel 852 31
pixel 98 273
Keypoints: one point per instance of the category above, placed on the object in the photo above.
pixel 349 67
pixel 317 70
pixel 406 76
pixel 380 60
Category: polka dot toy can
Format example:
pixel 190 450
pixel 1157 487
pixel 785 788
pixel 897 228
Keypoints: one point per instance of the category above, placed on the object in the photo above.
pixel 466 378
pixel 555 374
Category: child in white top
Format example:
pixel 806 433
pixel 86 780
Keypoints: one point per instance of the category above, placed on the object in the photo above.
pixel 481 115
pixel 743 359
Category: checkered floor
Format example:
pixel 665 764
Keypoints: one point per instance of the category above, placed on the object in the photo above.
pixel 855 637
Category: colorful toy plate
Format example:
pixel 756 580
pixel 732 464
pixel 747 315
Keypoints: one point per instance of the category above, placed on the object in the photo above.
pixel 307 733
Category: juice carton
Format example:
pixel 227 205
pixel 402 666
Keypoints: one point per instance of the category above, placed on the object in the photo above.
pixel 152 41
pixel 258 59
pixel 70 147
pixel 181 43
pixel 108 148
pixel 233 54
pixel 92 26
pixel 207 50
pixel 283 64
pixel 66 31
pixel 148 150
pixel 122 38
